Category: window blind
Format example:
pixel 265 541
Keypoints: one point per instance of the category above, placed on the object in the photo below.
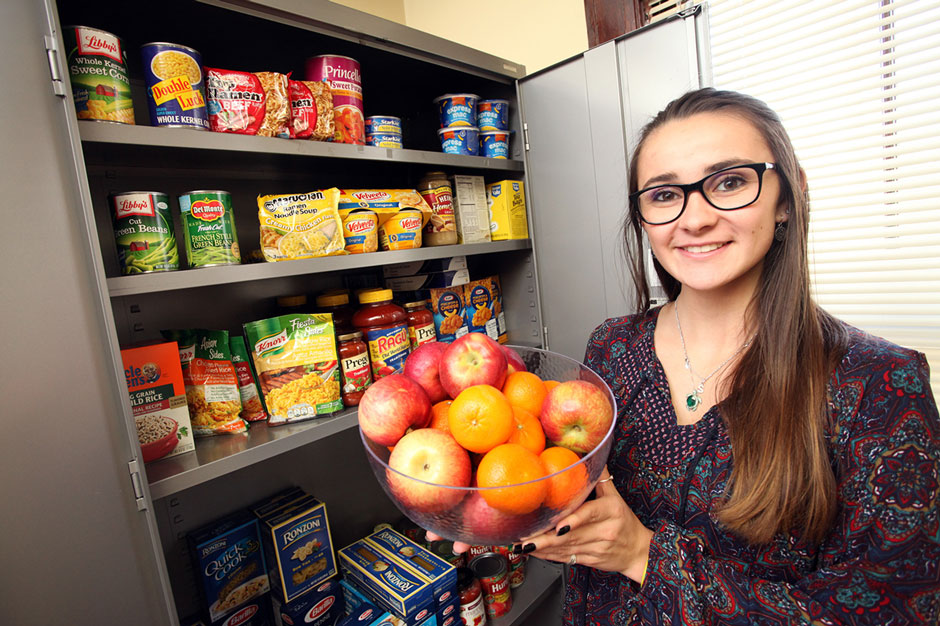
pixel 857 84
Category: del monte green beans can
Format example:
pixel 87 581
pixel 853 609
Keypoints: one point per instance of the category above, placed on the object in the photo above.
pixel 209 228
pixel 143 230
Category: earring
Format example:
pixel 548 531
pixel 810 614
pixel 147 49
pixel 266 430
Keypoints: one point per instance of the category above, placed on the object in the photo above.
pixel 780 231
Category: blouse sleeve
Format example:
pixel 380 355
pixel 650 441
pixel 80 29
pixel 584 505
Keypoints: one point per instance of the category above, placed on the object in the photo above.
pixel 881 562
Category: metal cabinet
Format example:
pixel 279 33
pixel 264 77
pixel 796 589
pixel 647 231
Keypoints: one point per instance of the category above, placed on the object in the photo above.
pixel 91 532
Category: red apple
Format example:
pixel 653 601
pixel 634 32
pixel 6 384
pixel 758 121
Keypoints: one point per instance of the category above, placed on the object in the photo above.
pixel 474 359
pixel 490 526
pixel 422 366
pixel 576 414
pixel 514 361
pixel 391 407
pixel 431 456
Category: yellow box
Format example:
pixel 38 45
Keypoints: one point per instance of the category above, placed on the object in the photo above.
pixel 506 200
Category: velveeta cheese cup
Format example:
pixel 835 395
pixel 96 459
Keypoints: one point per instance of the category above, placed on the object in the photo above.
pixel 401 231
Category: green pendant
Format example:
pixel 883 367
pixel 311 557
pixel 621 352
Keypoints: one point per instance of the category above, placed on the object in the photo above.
pixel 692 401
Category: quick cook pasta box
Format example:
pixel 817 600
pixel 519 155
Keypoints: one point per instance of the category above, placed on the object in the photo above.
pixel 298 547
pixel 428 281
pixel 447 264
pixel 229 563
pixel 506 200
pixel 441 574
pixel 357 600
pixel 154 378
pixel 321 606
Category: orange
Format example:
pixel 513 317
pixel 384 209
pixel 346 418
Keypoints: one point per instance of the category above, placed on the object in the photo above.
pixel 480 418
pixel 526 391
pixel 565 486
pixel 527 430
pixel 440 413
pixel 510 467
pixel 551 384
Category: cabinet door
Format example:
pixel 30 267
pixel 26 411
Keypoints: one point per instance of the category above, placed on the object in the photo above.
pixel 74 545
pixel 581 119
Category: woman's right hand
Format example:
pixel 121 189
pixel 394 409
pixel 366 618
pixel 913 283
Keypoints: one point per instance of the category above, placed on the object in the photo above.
pixel 459 546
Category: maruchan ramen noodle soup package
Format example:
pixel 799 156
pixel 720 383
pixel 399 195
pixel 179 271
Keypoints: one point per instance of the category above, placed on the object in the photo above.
pixel 295 358
pixel 252 407
pixel 447 304
pixel 478 299
pixel 276 121
pixel 158 400
pixel 236 101
pixel 506 200
pixel 211 381
pixel 300 226
pixel 311 105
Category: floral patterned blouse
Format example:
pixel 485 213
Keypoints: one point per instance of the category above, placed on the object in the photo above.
pixel 880 564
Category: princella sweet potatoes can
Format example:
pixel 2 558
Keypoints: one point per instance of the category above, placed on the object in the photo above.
pixel 343 76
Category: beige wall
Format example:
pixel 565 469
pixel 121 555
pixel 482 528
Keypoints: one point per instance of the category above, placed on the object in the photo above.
pixel 535 33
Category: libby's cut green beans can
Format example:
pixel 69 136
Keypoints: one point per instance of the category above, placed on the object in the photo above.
pixel 143 231
pixel 209 228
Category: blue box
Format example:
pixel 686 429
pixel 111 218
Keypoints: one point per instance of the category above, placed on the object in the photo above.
pixel 448 613
pixel 389 583
pixel 357 598
pixel 229 563
pixel 368 615
pixel 276 501
pixel 321 606
pixel 439 573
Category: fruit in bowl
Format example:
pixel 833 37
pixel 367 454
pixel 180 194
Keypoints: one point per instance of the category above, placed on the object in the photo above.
pixel 498 463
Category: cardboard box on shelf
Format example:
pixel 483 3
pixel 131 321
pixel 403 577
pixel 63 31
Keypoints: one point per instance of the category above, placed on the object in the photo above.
pixel 447 264
pixel 472 211
pixel 419 282
pixel 506 200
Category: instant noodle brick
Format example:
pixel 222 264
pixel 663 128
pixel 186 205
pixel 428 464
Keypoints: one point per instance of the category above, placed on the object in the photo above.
pixel 236 101
pixel 277 105
pixel 300 226
pixel 311 105
pixel 252 407
pixel 296 362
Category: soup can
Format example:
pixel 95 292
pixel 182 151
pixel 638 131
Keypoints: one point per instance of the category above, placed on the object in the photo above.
pixel 383 125
pixel 460 140
pixel 493 114
pixel 401 231
pixel 457 109
pixel 343 76
pixel 495 144
pixel 98 73
pixel 492 570
pixel 517 564
pixel 384 141
pixel 143 231
pixel 175 85
pixel 209 228
pixel 360 231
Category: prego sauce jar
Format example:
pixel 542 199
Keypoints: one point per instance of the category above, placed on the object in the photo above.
pixel 385 327
pixel 354 367
pixel 420 323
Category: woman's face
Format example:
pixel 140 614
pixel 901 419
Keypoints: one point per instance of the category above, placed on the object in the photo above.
pixel 706 249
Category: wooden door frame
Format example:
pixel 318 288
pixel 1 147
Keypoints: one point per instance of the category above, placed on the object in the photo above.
pixel 608 19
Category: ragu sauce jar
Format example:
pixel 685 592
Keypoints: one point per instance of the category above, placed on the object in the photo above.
pixel 355 370
pixel 385 327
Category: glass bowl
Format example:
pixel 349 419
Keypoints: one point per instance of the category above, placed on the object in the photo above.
pixel 467 517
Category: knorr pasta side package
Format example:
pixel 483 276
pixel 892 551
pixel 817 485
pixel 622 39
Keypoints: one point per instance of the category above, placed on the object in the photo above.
pixel 295 358
pixel 158 400
pixel 211 382
pixel 300 226
pixel 252 407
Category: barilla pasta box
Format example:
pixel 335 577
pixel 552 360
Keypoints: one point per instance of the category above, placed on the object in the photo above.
pixel 447 264
pixel 298 547
pixel 447 305
pixel 506 202
pixel 321 606
pixel 357 599
pixel 229 563
pixel 368 615
pixel 449 614
pixel 427 281
pixel 441 574
pixel 390 584
pixel 154 380
pixel 478 308
pixel 255 612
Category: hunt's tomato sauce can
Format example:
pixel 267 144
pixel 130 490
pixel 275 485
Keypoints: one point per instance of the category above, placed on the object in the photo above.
pixel 492 570
pixel 385 328
pixel 345 81
pixel 516 565
pixel 472 612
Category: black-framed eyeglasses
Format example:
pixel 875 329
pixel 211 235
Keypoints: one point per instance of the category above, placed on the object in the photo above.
pixel 727 189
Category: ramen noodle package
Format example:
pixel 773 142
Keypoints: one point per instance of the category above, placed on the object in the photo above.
pixel 478 303
pixel 447 306
pixel 211 381
pixel 300 226
pixel 236 101
pixel 158 400
pixel 277 105
pixel 295 358
pixel 252 408
pixel 311 106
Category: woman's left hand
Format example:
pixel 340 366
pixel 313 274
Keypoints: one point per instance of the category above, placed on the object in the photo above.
pixel 603 533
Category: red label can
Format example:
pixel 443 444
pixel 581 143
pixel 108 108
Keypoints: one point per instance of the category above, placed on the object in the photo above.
pixel 345 81
pixel 492 570
pixel 516 565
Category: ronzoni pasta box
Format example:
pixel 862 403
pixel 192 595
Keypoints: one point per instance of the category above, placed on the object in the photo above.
pixel 158 400
pixel 300 226
pixel 295 359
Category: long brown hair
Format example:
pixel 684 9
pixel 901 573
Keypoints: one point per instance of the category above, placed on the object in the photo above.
pixel 776 408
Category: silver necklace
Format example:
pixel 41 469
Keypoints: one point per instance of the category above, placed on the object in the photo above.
pixel 693 399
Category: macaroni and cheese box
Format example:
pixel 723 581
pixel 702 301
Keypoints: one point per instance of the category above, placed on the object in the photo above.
pixel 479 304
pixel 506 201
pixel 154 378
pixel 427 281
pixel 498 309
pixel 229 563
pixel 447 306
pixel 441 574
pixel 298 547
pixel 391 584
pixel 448 264
pixel 357 599
pixel 321 606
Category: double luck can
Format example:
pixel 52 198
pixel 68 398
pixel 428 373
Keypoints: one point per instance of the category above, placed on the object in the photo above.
pixel 492 570
pixel 143 231
pixel 98 73
pixel 175 85
pixel 209 228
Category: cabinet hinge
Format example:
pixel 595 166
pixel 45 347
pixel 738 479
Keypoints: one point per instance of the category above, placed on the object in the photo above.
pixel 132 468
pixel 52 55
pixel 545 338
pixel 525 135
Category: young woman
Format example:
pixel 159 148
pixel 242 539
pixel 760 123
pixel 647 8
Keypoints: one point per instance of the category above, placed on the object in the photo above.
pixel 772 465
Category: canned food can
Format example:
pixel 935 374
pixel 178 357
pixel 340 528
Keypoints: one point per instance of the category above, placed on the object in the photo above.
pixel 384 141
pixel 401 231
pixel 175 85
pixel 457 109
pixel 345 81
pixel 493 115
pixel 460 140
pixel 209 228
pixel 143 231
pixel 445 549
pixel 383 124
pixel 98 74
pixel 516 564
pixel 360 231
pixel 492 570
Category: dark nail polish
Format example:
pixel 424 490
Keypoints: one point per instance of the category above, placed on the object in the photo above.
pixel 517 549
pixel 563 531
pixel 529 547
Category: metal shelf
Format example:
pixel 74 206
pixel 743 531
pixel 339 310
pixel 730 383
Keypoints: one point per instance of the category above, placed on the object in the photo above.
pixel 224 275
pixel 541 579
pixel 182 138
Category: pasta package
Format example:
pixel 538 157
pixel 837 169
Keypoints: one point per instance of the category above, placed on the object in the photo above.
pixel 300 226
pixel 211 382
pixel 252 407
pixel 236 101
pixel 276 104
pixel 311 106
pixel 295 358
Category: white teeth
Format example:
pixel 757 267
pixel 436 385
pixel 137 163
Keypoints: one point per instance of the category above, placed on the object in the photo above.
pixel 699 249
